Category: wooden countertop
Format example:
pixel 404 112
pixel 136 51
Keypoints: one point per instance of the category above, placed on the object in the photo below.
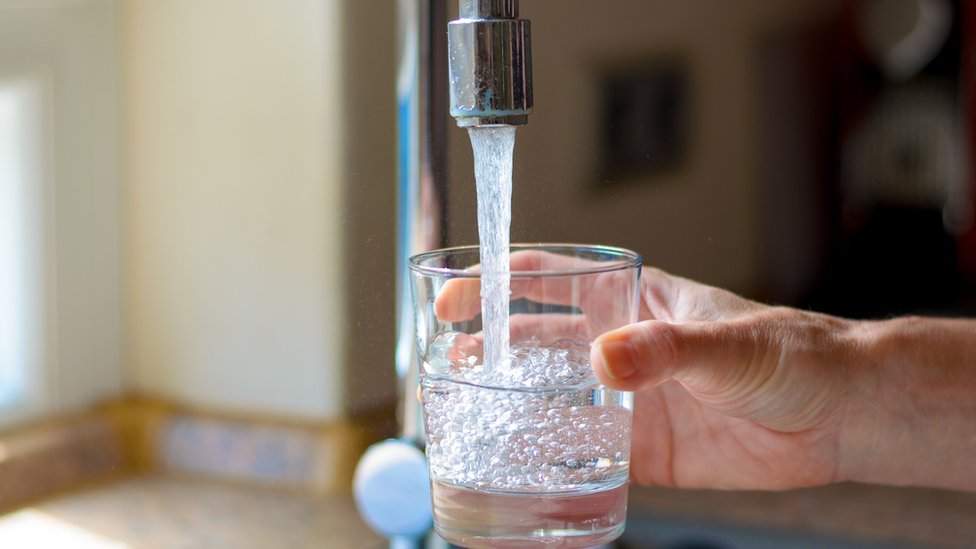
pixel 163 512
pixel 875 515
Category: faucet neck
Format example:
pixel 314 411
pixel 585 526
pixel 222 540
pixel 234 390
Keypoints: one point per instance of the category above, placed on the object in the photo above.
pixel 489 9
pixel 490 64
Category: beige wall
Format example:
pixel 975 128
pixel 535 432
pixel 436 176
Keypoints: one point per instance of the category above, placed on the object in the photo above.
pixel 233 204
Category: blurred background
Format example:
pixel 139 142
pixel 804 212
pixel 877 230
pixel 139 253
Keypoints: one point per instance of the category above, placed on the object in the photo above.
pixel 197 227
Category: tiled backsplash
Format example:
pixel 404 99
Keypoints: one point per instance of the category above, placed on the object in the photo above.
pixel 137 435
pixel 225 449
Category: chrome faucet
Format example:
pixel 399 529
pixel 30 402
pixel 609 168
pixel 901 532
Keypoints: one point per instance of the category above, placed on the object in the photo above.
pixel 490 64
pixel 485 61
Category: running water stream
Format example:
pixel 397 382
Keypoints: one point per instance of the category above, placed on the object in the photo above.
pixel 493 146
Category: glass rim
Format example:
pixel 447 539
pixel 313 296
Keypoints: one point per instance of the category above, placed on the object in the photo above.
pixel 628 259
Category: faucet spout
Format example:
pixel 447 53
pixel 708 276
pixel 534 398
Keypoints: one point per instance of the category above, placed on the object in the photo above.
pixel 490 64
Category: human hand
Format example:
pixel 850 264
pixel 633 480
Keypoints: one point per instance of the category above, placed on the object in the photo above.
pixel 734 394
pixel 729 393
pixel 717 402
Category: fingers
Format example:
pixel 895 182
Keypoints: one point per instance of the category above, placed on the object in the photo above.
pixel 459 299
pixel 636 356
pixel 705 337
pixel 548 328
pixel 535 329
pixel 538 260
pixel 544 329
pixel 663 296
pixel 704 353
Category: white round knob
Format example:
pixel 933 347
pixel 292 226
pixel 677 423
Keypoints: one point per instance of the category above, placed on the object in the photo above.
pixel 392 489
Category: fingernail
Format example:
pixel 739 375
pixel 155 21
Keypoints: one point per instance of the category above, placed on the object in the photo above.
pixel 619 359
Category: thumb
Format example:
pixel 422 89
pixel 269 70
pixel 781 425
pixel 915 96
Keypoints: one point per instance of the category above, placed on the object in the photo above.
pixel 646 354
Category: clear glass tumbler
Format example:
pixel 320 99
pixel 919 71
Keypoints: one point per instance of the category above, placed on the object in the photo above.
pixel 533 449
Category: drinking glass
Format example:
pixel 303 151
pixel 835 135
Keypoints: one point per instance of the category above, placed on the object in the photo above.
pixel 532 449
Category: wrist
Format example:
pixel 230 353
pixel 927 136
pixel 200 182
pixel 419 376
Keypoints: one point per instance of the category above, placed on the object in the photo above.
pixel 911 415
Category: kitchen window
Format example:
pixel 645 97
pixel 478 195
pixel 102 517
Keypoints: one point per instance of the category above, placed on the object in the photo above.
pixel 22 190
